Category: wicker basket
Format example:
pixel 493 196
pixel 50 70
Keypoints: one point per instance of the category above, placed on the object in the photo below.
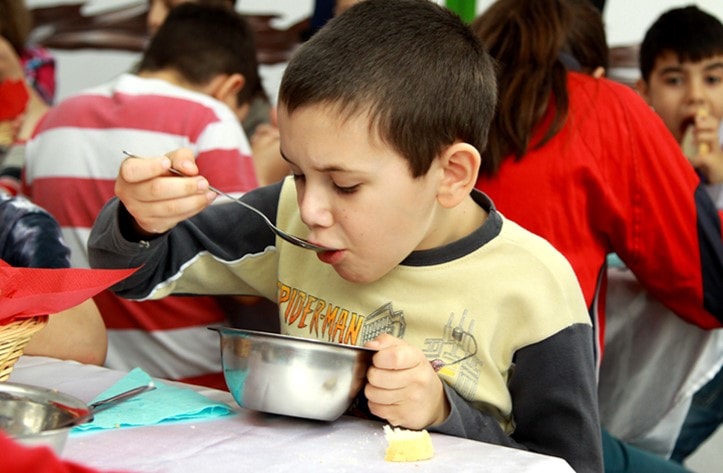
pixel 13 339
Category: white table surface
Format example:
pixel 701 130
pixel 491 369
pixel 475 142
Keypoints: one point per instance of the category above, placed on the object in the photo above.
pixel 252 441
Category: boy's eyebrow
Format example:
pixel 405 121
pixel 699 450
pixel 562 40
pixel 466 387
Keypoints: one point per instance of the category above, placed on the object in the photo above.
pixel 671 69
pixel 332 168
pixel 714 65
pixel 679 67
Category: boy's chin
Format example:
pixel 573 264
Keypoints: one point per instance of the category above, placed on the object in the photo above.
pixel 357 276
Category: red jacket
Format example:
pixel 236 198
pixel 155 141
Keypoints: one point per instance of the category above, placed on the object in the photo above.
pixel 614 180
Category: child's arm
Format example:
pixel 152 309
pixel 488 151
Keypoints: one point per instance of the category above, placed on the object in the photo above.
pixel 554 403
pixel 553 391
pixel 270 166
pixel 118 241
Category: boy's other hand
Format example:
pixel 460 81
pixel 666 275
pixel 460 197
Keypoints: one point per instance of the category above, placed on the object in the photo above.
pixel 708 158
pixel 157 199
pixel 265 149
pixel 402 387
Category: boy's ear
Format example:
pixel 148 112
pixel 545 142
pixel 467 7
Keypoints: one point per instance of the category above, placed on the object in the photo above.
pixel 642 87
pixel 225 87
pixel 460 164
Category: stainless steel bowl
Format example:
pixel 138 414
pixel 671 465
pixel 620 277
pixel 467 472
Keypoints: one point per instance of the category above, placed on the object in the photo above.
pixel 31 414
pixel 292 376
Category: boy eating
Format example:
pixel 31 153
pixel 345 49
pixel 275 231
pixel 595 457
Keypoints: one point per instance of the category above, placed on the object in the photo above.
pixel 681 66
pixel 480 326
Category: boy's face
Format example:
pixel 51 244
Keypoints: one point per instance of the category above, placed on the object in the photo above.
pixel 678 90
pixel 356 193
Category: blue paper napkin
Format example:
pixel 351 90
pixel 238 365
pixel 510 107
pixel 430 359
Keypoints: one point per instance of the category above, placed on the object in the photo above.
pixel 164 404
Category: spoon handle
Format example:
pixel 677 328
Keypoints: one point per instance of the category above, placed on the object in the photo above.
pixel 230 197
pixel 286 236
pixel 105 404
pixel 118 398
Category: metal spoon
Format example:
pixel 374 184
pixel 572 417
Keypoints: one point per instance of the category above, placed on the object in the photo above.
pixel 106 404
pixel 300 242
pixel 286 236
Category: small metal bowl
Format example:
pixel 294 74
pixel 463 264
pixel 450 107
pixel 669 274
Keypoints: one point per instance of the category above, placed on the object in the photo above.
pixel 31 414
pixel 292 376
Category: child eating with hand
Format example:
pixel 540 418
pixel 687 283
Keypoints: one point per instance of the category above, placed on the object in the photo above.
pixel 681 66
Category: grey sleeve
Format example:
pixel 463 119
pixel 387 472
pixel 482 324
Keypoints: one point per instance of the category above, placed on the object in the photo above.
pixel 225 230
pixel 554 403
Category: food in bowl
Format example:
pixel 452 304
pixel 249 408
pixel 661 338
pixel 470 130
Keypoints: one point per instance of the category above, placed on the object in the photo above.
pixel 292 376
pixel 31 414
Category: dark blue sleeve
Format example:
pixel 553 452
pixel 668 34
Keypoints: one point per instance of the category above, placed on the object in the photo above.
pixel 711 253
pixel 31 237
pixel 554 403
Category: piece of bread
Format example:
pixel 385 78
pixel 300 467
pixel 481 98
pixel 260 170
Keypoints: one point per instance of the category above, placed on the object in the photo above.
pixel 688 143
pixel 407 445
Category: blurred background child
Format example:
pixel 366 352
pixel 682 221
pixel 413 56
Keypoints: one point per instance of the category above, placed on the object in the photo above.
pixel 30 238
pixel 198 66
pixel 681 66
pixel 31 66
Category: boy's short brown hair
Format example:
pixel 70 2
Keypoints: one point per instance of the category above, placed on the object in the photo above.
pixel 413 66
pixel 200 42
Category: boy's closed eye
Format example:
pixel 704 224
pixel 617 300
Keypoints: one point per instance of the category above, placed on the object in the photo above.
pixel 339 188
pixel 346 189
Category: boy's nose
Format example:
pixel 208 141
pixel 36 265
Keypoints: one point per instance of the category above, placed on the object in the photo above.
pixel 314 209
pixel 696 92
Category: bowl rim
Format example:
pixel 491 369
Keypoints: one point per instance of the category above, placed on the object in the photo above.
pixel 61 400
pixel 291 338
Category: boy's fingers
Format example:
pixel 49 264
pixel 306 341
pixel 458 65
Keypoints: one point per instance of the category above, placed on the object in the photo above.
pixel 183 160
pixel 397 357
pixel 135 169
pixel 383 341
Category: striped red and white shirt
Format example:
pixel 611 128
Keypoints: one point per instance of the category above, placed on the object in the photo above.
pixel 71 165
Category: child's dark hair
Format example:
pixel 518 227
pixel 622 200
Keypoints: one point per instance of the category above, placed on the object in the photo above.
pixel 418 71
pixel 531 42
pixel 688 32
pixel 586 38
pixel 202 41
